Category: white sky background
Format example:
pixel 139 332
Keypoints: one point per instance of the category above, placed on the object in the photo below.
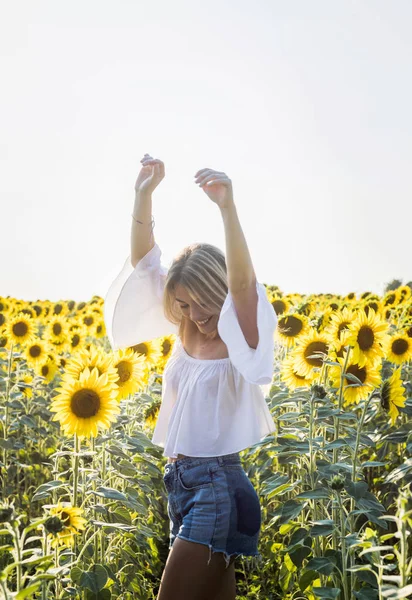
pixel 306 106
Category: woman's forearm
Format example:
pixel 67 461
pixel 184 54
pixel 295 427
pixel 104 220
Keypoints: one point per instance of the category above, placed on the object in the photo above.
pixel 240 271
pixel 142 239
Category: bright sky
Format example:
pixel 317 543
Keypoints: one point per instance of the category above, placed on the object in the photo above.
pixel 306 106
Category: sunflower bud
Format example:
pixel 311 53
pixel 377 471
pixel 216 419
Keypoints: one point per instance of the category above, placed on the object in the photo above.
pixel 7 514
pixel 318 391
pixel 337 483
pixel 53 525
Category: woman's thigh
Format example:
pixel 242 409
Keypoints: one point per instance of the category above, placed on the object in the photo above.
pixel 188 574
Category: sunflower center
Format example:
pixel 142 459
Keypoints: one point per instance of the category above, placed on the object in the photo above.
pixel 279 306
pixel 141 348
pixel 290 326
pixel 311 349
pixel 123 370
pixel 385 394
pixel 359 372
pixel 20 329
pixel 57 328
pixel 166 347
pixel 35 351
pixel 85 403
pixel 365 338
pixel 399 347
pixel 65 517
pixel 75 340
pixel 390 299
pixel 373 305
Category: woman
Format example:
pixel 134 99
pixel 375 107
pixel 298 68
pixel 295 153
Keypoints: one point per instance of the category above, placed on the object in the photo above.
pixel 212 405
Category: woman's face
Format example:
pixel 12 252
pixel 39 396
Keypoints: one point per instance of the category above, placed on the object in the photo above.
pixel 195 312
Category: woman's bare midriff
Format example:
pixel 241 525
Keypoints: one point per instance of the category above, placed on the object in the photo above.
pixel 196 347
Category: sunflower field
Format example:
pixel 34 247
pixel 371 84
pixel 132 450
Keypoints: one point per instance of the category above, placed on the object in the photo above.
pixel 83 507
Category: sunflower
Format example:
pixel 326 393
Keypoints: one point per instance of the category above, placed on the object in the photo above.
pixel 85 404
pixel 152 412
pixel 338 327
pixel 392 394
pixel 36 352
pixel 166 345
pixel 151 350
pixel 64 523
pixel 280 304
pixel 47 368
pixel 366 335
pixel 131 369
pixel 398 348
pixel 391 298
pixel 309 352
pixel 290 377
pixel 94 357
pixel 405 293
pixel 291 328
pixel 368 375
pixel 20 329
pixel 25 385
pixel 57 330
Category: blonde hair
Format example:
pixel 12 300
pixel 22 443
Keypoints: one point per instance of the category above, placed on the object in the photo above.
pixel 201 269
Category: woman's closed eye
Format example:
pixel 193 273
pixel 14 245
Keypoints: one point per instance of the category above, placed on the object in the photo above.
pixel 187 306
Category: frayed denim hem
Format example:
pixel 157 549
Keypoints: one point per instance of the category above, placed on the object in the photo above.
pixel 252 560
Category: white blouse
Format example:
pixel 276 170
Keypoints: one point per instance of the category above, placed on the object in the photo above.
pixel 210 407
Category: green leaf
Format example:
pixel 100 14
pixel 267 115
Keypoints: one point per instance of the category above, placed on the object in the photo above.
pixel 46 489
pixel 313 494
pixel 102 595
pixel 75 574
pixel 290 510
pixel 329 593
pixel 94 579
pixel 28 591
pixel 6 444
pixel 357 489
pixel 298 555
pixel 107 492
pixel 368 502
pixel 121 526
pixel 396 594
pixel 323 527
pixel 322 564
pixel 306 579
pixel 367 593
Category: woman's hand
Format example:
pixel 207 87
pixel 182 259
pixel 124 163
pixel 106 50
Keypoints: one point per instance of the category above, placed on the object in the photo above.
pixel 151 174
pixel 216 185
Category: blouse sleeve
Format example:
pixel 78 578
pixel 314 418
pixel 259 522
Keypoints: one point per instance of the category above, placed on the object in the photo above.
pixel 133 306
pixel 255 364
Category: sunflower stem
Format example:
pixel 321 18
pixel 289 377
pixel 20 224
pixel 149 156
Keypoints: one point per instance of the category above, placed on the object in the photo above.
pixel 76 468
pixel 335 509
pixel 6 421
pixel 343 546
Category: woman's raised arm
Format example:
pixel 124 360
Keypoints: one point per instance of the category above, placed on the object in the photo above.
pixel 142 238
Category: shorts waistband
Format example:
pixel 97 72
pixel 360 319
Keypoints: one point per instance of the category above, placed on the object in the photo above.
pixel 183 461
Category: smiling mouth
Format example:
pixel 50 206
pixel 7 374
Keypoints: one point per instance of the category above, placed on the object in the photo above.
pixel 202 323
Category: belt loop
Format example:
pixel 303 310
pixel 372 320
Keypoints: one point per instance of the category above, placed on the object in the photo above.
pixel 220 460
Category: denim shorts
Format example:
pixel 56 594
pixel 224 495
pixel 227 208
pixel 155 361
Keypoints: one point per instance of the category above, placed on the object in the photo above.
pixel 212 501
